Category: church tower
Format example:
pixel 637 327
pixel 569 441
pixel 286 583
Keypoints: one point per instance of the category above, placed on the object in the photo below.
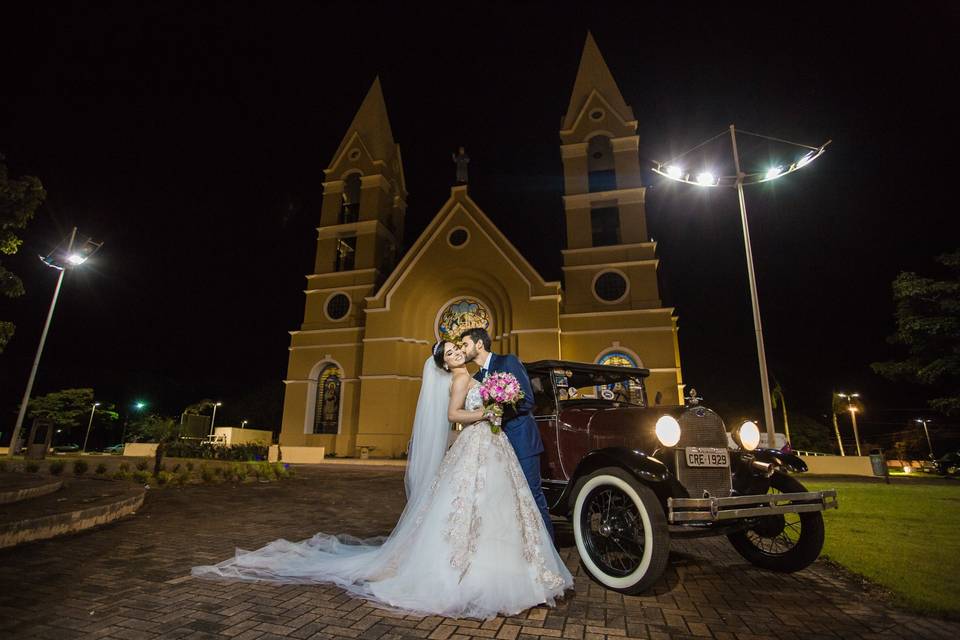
pixel 612 312
pixel 358 243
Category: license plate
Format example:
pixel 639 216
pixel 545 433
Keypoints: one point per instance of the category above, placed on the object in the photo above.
pixel 707 457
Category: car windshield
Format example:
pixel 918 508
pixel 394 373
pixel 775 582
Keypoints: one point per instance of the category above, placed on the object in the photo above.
pixel 608 384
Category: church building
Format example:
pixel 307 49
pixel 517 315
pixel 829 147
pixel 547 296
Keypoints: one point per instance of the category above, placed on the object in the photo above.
pixel 372 315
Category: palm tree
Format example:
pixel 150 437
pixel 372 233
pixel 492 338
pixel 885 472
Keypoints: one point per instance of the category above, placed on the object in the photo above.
pixel 778 393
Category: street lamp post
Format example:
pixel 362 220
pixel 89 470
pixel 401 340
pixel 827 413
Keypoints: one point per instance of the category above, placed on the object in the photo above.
pixel 244 423
pixel 214 416
pixel 851 407
pixel 70 259
pixel 926 432
pixel 89 424
pixel 708 179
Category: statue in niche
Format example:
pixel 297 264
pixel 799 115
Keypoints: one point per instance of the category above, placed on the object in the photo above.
pixel 461 159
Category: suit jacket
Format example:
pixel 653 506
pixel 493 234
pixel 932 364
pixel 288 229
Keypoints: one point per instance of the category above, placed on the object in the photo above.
pixel 518 424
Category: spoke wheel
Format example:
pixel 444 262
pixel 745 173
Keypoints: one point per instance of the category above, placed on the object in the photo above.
pixel 620 530
pixel 784 542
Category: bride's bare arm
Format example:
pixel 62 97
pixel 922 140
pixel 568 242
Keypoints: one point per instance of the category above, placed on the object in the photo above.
pixel 458 394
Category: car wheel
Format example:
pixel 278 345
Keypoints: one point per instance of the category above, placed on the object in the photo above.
pixel 952 470
pixel 620 530
pixel 784 542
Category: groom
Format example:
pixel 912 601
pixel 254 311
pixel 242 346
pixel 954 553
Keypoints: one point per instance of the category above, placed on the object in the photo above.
pixel 518 424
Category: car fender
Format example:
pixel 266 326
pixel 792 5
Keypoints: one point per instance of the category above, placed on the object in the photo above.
pixel 789 461
pixel 646 469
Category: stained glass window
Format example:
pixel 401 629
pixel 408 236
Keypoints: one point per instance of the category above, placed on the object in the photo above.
pixel 629 391
pixel 327 416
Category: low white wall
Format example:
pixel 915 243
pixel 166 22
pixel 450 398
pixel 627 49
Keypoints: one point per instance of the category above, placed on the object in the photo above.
pixel 233 435
pixel 140 449
pixel 839 465
pixel 301 455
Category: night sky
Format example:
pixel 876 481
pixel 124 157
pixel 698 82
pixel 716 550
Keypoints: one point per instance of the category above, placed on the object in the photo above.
pixel 191 137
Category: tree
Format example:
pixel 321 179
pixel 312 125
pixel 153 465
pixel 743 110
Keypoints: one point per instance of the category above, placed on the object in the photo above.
pixel 64 409
pixel 809 434
pixel 19 200
pixel 155 428
pixel 928 324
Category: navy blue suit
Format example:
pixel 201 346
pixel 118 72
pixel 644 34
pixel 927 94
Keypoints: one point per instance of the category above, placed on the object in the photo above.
pixel 521 429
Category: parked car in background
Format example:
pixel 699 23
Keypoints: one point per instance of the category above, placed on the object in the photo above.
pixel 630 476
pixel 949 464
pixel 115 449
pixel 65 448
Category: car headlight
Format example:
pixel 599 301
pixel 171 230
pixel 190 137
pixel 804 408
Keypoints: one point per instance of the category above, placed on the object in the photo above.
pixel 748 435
pixel 668 431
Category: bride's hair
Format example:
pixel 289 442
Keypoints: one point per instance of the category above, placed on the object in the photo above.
pixel 438 354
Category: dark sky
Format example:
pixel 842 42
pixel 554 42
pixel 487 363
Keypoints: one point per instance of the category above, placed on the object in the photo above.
pixel 190 138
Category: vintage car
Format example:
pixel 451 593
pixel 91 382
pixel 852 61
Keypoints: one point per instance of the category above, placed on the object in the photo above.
pixel 629 476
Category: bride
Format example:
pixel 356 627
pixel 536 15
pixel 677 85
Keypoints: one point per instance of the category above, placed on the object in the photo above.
pixel 470 541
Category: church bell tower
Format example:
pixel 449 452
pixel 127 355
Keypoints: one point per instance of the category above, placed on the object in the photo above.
pixel 612 311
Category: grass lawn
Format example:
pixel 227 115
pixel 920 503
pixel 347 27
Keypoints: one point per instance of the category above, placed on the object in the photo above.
pixel 904 536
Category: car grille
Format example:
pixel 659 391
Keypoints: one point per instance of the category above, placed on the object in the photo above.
pixel 700 427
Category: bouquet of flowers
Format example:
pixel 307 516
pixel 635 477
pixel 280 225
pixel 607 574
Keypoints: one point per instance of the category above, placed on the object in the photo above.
pixel 497 390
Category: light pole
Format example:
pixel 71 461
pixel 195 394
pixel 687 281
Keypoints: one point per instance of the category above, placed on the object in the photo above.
pixel 852 408
pixel 61 262
pixel 926 432
pixel 244 423
pixel 214 416
pixel 89 424
pixel 707 178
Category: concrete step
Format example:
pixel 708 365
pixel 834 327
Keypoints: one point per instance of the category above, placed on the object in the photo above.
pixel 80 504
pixel 15 487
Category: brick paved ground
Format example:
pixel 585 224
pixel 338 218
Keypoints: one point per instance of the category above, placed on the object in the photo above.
pixel 129 580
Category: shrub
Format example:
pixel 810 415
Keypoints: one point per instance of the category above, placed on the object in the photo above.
pixel 218 471
pixel 120 475
pixel 124 467
pixel 183 476
pixel 240 471
pixel 56 467
pixel 101 469
pixel 142 464
pixel 32 467
pixel 80 467
pixel 189 466
pixel 141 476
pixel 205 474
pixel 164 477
pixel 3 466
pixel 176 467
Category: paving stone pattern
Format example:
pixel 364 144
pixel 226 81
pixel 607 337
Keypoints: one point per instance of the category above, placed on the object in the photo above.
pixel 130 580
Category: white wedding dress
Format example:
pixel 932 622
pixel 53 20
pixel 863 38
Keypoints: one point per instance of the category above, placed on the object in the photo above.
pixel 472 544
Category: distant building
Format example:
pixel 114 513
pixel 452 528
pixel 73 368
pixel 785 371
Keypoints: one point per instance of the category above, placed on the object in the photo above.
pixel 372 315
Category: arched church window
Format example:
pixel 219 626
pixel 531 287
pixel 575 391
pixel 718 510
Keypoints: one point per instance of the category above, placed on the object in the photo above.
pixel 600 168
pixel 628 391
pixel 350 205
pixel 327 416
pixel 460 315
pixel 346 254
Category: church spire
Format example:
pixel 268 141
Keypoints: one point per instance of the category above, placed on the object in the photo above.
pixel 594 75
pixel 372 124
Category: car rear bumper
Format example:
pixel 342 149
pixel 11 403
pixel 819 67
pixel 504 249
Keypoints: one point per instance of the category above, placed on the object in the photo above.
pixel 738 507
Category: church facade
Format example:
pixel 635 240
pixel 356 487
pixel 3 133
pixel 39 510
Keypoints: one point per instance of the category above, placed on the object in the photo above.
pixel 371 315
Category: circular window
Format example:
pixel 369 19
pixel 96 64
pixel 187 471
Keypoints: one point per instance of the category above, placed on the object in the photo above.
pixel 337 306
pixel 458 237
pixel 597 155
pixel 354 154
pixel 597 114
pixel 610 286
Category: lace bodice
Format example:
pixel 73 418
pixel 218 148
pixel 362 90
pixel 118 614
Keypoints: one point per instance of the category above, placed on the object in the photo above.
pixel 473 400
